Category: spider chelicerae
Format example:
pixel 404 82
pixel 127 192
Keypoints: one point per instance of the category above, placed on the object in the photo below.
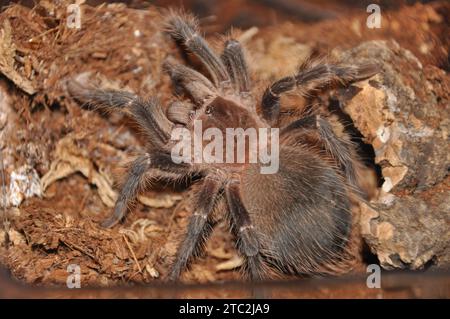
pixel 295 221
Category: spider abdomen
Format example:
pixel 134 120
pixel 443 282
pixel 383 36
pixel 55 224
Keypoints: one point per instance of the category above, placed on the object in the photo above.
pixel 302 213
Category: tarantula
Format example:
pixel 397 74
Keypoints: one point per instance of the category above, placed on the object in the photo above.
pixel 296 221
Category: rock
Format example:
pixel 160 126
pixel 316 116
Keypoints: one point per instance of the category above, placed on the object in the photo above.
pixel 403 112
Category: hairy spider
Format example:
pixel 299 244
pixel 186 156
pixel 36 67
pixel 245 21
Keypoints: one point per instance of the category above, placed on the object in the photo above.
pixel 295 221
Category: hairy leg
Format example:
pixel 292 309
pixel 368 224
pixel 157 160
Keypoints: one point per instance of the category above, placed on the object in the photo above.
pixel 148 114
pixel 248 242
pixel 194 83
pixel 180 112
pixel 311 78
pixel 142 169
pixel 199 225
pixel 342 150
pixel 233 58
pixel 184 28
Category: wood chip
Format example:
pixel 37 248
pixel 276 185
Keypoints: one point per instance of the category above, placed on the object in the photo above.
pixel 233 263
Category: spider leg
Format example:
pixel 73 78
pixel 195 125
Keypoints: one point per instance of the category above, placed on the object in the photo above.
pixel 193 82
pixel 180 112
pixel 270 104
pixel 148 114
pixel 233 58
pixel 141 169
pixel 184 28
pixel 311 78
pixel 340 149
pixel 199 226
pixel 248 241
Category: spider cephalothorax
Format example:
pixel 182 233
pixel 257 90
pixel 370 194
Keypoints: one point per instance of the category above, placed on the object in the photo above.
pixel 294 221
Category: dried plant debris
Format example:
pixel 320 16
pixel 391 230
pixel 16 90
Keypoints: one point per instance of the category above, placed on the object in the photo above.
pixel 233 263
pixel 61 160
pixel 24 183
pixel 162 201
pixel 69 158
pixel 7 59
